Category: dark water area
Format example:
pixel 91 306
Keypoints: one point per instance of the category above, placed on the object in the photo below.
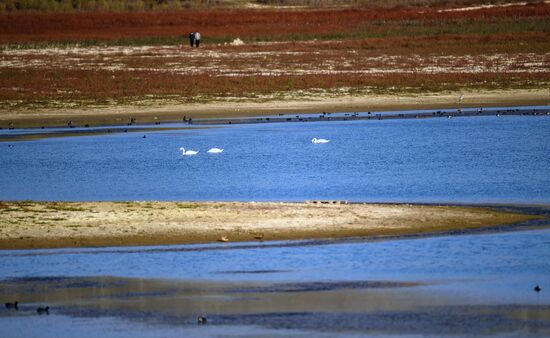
pixel 485 159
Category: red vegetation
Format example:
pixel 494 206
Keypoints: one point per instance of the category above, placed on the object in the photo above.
pixel 26 27
pixel 410 49
pixel 100 86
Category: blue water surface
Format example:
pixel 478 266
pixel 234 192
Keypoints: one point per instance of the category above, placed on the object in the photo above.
pixel 501 267
pixel 477 159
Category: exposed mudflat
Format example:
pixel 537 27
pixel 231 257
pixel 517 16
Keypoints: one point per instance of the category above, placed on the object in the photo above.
pixel 342 308
pixel 165 111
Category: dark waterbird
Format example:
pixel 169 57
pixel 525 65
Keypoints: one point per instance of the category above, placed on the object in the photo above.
pixel 537 288
pixel 12 305
pixel 201 320
pixel 43 310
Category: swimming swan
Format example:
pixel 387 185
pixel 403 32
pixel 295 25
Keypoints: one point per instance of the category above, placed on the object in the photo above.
pixel 188 152
pixel 320 140
pixel 215 151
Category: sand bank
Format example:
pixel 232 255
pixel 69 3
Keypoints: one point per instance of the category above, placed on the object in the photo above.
pixel 74 224
pixel 120 115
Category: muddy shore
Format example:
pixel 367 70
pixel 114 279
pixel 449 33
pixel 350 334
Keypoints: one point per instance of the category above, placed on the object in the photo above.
pixel 25 225
pixel 76 130
pixel 324 309
pixel 122 115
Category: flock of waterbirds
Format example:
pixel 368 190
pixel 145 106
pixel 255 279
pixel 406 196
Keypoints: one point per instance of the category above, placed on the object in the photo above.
pixel 15 306
pixel 189 152
pixel 201 320
pixel 195 152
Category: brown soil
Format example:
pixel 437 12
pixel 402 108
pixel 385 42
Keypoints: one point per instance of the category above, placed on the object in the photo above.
pixel 75 224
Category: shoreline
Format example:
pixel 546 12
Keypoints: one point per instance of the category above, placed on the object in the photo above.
pixel 222 111
pixel 74 130
pixel 32 225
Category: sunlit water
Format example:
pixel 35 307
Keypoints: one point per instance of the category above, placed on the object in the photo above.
pixel 477 159
pixel 461 272
pixel 509 258
pixel 505 260
pixel 471 160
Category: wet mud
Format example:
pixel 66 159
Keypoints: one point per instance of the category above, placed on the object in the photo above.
pixel 340 307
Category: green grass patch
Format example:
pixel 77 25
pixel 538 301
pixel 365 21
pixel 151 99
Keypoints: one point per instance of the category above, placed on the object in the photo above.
pixel 64 207
pixel 188 205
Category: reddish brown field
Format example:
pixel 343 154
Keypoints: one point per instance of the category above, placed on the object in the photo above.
pixel 351 51
pixel 274 24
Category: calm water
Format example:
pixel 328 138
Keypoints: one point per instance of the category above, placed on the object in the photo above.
pixel 479 159
pixel 480 283
pixel 516 259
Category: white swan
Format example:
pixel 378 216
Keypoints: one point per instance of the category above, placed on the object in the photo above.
pixel 188 152
pixel 319 140
pixel 215 151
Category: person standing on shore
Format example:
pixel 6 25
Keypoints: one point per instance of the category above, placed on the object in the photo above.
pixel 197 39
pixel 192 39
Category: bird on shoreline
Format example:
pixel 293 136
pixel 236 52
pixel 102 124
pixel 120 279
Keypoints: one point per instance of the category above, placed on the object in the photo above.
pixel 215 151
pixel 12 305
pixel 188 152
pixel 201 320
pixel 259 237
pixel 43 310
pixel 319 140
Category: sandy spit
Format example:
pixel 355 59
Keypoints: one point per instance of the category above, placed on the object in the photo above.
pixel 25 225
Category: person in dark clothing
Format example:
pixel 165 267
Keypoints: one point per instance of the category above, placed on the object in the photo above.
pixel 192 39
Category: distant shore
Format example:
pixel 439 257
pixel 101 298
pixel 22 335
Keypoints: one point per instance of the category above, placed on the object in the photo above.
pixel 122 115
pixel 26 225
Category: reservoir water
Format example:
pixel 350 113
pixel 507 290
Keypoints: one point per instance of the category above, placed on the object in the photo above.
pixel 479 159
pixel 497 256
pixel 451 285
pixel 457 286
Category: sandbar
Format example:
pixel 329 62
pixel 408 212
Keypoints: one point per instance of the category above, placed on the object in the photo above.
pixel 29 224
